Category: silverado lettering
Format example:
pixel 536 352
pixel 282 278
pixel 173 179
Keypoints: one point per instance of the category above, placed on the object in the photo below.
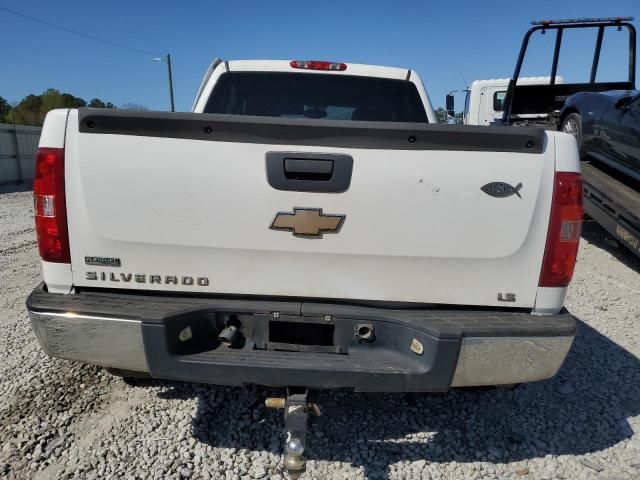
pixel 142 278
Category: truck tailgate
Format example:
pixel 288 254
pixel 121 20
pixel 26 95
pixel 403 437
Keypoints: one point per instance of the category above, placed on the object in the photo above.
pixel 182 202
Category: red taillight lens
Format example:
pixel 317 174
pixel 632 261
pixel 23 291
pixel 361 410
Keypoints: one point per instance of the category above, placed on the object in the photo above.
pixel 564 231
pixel 317 65
pixel 50 206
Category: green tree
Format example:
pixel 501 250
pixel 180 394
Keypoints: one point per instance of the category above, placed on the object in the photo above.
pixel 97 103
pixel 134 106
pixel 52 99
pixel 5 108
pixel 441 115
pixel 33 108
pixel 69 101
pixel 27 112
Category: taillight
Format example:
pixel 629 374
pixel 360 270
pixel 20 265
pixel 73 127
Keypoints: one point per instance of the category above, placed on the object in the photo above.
pixel 317 65
pixel 50 206
pixel 564 231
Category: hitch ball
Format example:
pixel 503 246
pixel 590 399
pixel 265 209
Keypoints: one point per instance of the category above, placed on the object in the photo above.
pixel 294 464
pixel 293 461
pixel 295 447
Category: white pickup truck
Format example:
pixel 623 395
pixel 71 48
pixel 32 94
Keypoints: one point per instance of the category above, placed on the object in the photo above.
pixel 307 225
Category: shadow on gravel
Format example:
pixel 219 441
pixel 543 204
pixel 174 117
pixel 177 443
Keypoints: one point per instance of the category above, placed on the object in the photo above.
pixel 583 409
pixel 599 237
pixel 16 187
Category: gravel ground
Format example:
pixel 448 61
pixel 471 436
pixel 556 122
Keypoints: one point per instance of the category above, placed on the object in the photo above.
pixel 63 420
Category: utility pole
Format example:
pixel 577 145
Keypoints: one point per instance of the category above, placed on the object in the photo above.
pixel 170 82
pixel 167 59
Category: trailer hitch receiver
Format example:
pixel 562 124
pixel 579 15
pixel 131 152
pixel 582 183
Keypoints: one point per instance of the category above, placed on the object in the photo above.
pixel 297 409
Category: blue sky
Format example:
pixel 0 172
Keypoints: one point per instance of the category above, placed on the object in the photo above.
pixel 445 41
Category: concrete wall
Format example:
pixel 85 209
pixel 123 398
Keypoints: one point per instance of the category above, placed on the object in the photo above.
pixel 18 146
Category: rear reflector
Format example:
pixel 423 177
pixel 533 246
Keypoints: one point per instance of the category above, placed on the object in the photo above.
pixel 317 65
pixel 50 206
pixel 563 235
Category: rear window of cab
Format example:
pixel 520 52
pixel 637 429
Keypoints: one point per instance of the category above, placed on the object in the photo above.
pixel 317 96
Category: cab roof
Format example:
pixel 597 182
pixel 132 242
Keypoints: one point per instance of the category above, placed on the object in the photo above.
pixel 503 82
pixel 351 69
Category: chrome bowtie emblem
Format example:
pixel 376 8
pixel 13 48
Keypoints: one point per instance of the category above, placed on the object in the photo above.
pixel 501 189
pixel 307 222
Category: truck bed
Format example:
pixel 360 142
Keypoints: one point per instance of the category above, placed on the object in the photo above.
pixel 614 202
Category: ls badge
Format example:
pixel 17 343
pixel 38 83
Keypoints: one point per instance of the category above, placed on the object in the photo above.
pixel 501 189
pixel 307 222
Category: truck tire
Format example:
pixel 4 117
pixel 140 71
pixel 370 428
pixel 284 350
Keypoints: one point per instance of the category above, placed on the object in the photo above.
pixel 572 124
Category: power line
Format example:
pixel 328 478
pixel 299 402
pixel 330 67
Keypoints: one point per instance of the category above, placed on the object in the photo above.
pixel 80 34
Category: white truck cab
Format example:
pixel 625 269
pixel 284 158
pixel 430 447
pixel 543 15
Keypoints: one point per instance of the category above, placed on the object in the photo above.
pixel 484 99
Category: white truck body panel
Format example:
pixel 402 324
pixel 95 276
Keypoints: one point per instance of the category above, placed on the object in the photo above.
pixel 54 129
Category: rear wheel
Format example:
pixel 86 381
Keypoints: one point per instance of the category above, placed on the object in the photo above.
pixel 572 125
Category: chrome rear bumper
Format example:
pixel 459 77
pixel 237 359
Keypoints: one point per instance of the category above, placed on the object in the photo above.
pixel 507 360
pixel 485 359
pixel 108 342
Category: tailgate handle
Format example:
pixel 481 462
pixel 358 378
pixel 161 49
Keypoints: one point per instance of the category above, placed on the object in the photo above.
pixel 305 169
pixel 309 172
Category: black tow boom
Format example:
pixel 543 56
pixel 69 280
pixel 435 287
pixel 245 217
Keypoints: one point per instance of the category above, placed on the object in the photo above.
pixel 560 26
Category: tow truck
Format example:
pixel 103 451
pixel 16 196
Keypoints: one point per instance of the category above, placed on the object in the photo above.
pixel 610 198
